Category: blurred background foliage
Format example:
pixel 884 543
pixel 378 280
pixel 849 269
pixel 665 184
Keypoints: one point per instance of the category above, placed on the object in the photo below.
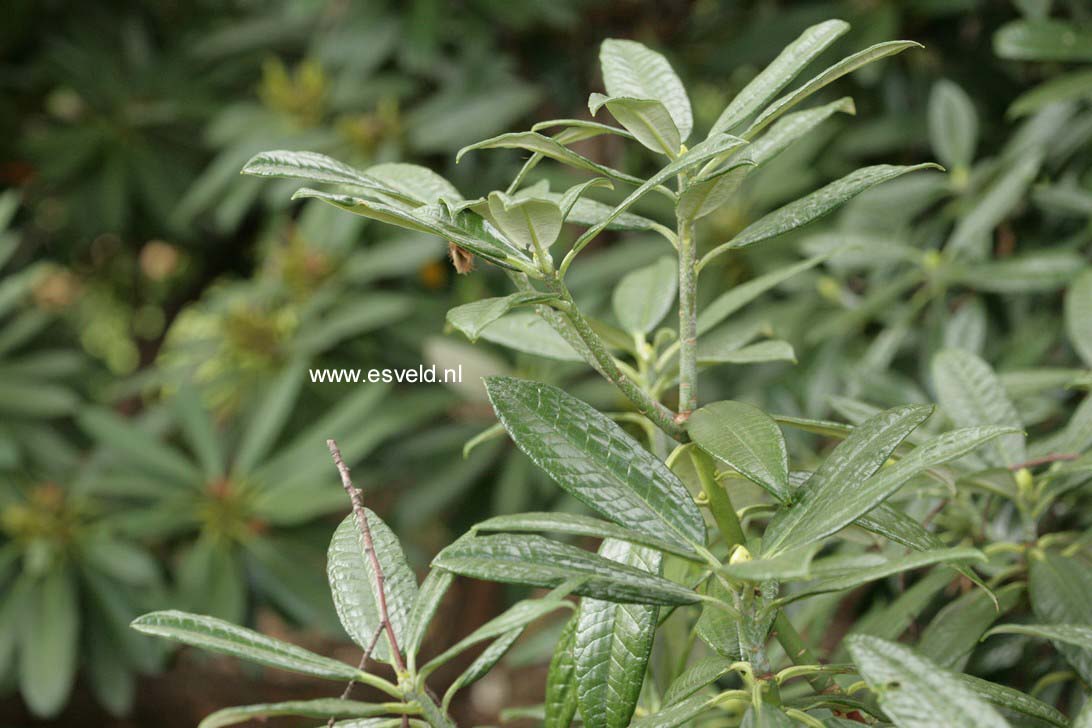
pixel 160 441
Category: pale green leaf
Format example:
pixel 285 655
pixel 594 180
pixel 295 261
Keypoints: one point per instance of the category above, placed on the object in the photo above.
pixel 1013 701
pixel 1059 587
pixel 953 125
pixel 954 632
pixel 781 71
pixel 971 236
pixel 631 69
pixel 429 596
pixel 216 635
pixel 415 181
pixel 1078 315
pixel 1064 87
pixel 916 693
pixel 970 394
pixel 644 296
pixel 472 318
pixel 819 511
pixel 747 440
pixel 314 167
pixel 354 583
pixel 704 672
pixel 320 708
pixel 529 222
pixel 547 147
pixel 1043 40
pixel 647 119
pixel 49 643
pixel 528 332
pixel 739 296
pixel 578 525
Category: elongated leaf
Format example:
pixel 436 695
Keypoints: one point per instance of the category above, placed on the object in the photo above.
pixel 792 127
pixel 814 206
pixel 702 152
pixel 1012 701
pixel 706 194
pixel 787 566
pixel 647 119
pixel 971 394
pixel 530 333
pixel 631 69
pixel 1078 316
pixel 269 418
pixel 953 124
pixel 200 432
pixel 954 632
pixel 702 673
pixel 757 353
pixel 841 68
pixel 355 588
pixel 1078 635
pixel 484 662
pixel 319 709
pixel 466 229
pixel 414 181
pixel 472 318
pixel 612 646
pixel 971 236
pixel 49 643
pixel 1043 40
pixel 1030 273
pixel 644 296
pixel 576 130
pixel 315 167
pixel 560 702
pixel 1059 587
pixel 819 511
pixel 547 147
pixel 915 692
pixel 788 64
pixel 739 296
pixel 216 635
pixel 592 458
pixel 716 627
pixel 429 596
pixel 1063 87
pixel 746 439
pixel 577 524
pixel 537 561
pixel 837 573
pixel 138 447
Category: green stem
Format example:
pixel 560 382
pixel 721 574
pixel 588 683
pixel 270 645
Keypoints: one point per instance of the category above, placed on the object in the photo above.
pixel 660 415
pixel 798 651
pixel 720 504
pixel 688 320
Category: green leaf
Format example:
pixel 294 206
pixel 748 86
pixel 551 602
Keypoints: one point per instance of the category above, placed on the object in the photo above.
pixel 416 182
pixel 757 353
pixel 1084 720
pixel 819 510
pixel 739 296
pixel 747 440
pixel 530 333
pixel 354 583
pixel 200 432
pixel 716 627
pixel 631 69
pixel 971 236
pixel 49 643
pixel 472 318
pixel 788 566
pixel 580 525
pixel 644 296
pixel 792 127
pixel 138 447
pixel 680 714
pixel 764 715
pixel 833 73
pixel 560 701
pixel 1059 587
pixel 596 461
pixel 838 573
pixel 1013 701
pixel 916 693
pixel 1079 635
pixel 547 147
pixel 647 119
pixel 783 69
pixel 707 193
pixel 1043 40
pixel 971 394
pixel 702 152
pixel 537 561
pixel 315 167
pixel 612 645
pixel 704 672
pixel 577 130
pixel 813 206
pixel 429 596
pixel 319 709
pixel 953 125
pixel 1078 315
pixel 483 663
pixel 954 632
pixel 216 635
pixel 268 420
pixel 1070 86
pixel 1035 272
pixel 529 222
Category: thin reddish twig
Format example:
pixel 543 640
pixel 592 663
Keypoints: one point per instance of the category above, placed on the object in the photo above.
pixel 363 662
pixel 369 549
